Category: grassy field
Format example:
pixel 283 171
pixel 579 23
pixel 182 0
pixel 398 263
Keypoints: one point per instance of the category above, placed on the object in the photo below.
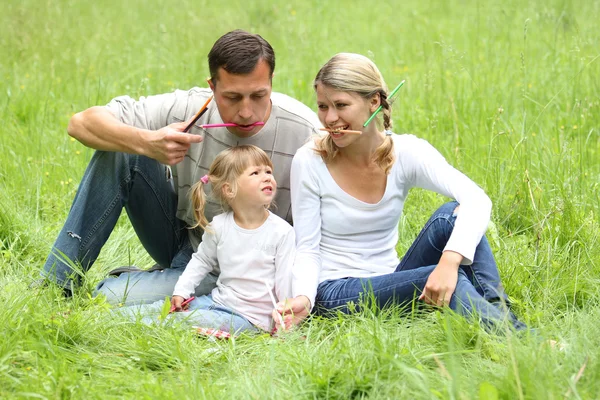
pixel 507 90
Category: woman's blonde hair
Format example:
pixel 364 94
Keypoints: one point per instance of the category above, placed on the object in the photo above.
pixel 227 167
pixel 348 72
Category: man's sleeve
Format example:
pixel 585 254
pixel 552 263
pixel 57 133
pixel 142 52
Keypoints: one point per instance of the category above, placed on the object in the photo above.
pixel 150 112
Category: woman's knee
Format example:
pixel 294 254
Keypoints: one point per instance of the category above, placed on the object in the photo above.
pixel 450 208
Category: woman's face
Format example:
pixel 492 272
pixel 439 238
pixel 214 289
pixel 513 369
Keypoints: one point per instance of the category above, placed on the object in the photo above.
pixel 342 110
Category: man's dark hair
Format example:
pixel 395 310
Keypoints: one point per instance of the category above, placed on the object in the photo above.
pixel 238 52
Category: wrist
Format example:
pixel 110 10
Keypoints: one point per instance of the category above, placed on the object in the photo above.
pixel 450 259
pixel 305 301
pixel 141 144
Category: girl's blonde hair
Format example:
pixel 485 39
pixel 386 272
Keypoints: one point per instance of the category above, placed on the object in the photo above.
pixel 348 72
pixel 225 169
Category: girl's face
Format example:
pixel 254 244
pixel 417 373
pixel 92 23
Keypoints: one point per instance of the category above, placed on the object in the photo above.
pixel 343 110
pixel 256 186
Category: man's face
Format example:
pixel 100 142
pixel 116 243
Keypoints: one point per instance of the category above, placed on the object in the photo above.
pixel 244 99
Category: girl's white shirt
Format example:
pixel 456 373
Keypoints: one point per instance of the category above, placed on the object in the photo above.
pixel 244 259
pixel 339 236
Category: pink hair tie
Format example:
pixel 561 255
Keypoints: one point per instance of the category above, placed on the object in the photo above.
pixel 204 179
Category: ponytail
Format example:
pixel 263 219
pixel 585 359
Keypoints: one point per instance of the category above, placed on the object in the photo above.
pixel 384 154
pixel 199 202
pixel 326 148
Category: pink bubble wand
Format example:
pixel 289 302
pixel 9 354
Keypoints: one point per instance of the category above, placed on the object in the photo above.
pixel 226 125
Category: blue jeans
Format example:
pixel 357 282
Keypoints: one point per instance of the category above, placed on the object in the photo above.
pixel 113 181
pixel 478 292
pixel 203 312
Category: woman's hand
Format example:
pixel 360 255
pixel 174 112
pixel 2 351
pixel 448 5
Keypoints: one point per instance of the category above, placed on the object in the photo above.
pixel 441 283
pixel 293 312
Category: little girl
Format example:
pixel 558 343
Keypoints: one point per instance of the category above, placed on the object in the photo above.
pixel 248 244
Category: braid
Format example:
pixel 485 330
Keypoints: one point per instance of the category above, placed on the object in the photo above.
pixel 384 154
pixel 387 111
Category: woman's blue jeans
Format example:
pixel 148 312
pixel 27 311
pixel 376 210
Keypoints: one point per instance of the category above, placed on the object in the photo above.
pixel 141 185
pixel 479 292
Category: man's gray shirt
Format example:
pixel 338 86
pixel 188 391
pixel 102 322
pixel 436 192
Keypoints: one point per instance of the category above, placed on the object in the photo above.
pixel 289 126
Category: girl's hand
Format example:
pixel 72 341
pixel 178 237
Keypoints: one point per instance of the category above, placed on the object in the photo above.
pixel 293 312
pixel 441 283
pixel 176 302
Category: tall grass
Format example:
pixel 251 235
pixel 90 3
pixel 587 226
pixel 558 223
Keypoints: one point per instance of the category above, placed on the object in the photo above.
pixel 507 91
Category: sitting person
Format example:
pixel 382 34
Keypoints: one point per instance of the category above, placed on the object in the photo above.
pixel 348 192
pixel 252 248
pixel 146 163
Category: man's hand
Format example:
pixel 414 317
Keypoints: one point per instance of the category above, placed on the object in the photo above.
pixel 442 282
pixel 170 144
pixel 293 311
pixel 176 303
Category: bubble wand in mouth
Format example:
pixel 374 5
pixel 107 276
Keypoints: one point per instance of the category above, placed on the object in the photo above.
pixel 226 125
pixel 381 106
pixel 341 131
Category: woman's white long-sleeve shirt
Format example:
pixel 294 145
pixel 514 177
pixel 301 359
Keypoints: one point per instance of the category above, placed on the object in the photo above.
pixel 339 236
pixel 246 258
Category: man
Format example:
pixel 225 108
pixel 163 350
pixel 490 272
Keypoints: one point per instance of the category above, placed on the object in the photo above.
pixel 137 141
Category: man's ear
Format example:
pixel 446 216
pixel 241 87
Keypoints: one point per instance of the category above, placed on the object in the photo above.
pixel 211 84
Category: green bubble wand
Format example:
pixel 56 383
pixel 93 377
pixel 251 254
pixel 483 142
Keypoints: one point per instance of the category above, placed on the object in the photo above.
pixel 381 106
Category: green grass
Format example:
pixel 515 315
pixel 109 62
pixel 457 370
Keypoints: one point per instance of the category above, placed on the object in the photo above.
pixel 507 90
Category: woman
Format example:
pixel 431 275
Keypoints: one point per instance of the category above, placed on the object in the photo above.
pixel 348 191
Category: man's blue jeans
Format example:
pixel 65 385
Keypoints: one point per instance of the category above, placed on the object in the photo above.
pixel 478 291
pixel 139 184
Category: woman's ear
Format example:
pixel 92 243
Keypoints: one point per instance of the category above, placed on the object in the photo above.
pixel 375 102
